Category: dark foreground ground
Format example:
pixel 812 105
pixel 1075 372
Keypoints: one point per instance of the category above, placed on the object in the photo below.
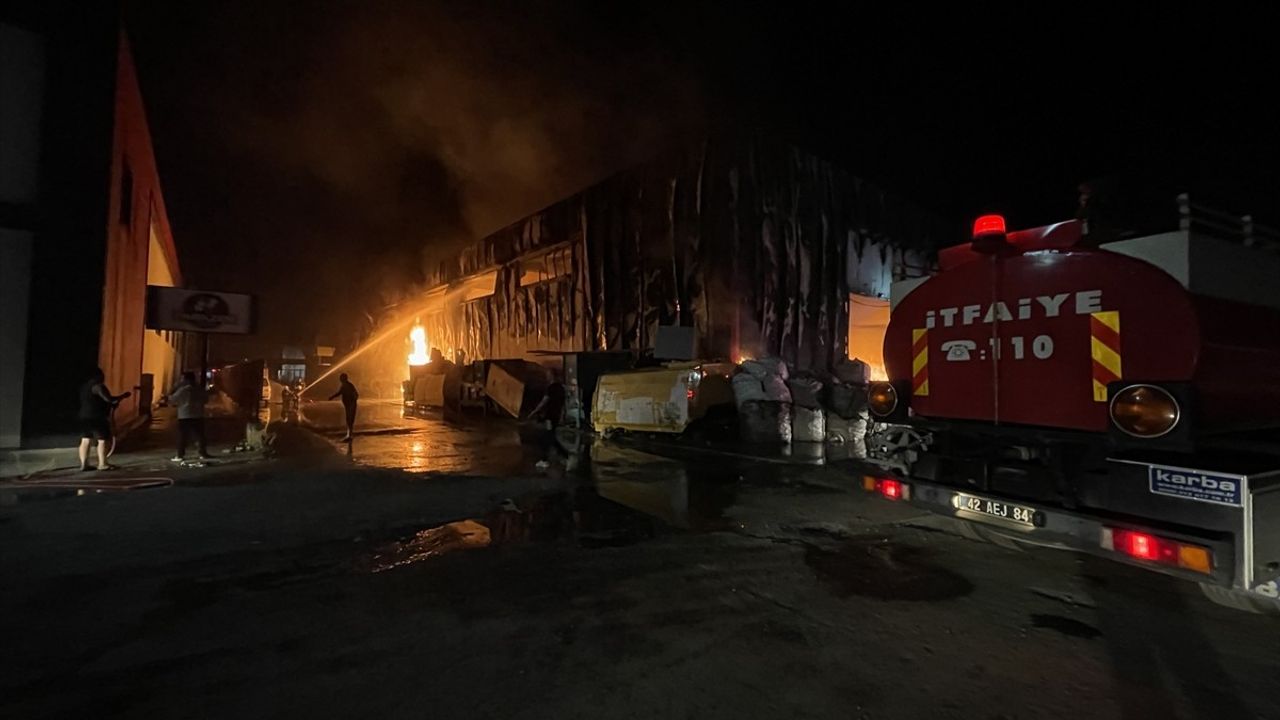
pixel 314 586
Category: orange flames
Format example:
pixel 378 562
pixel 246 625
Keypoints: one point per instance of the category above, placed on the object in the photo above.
pixel 877 371
pixel 421 352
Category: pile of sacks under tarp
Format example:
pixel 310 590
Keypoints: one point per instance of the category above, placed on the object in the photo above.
pixel 763 398
pixel 775 406
pixel 845 402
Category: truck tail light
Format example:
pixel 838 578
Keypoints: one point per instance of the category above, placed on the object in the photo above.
pixel 1145 411
pixel 1160 550
pixel 888 488
pixel 692 384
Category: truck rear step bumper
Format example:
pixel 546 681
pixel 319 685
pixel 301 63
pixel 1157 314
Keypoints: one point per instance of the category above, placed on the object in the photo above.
pixel 1072 530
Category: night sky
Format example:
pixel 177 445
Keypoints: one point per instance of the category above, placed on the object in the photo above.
pixel 317 154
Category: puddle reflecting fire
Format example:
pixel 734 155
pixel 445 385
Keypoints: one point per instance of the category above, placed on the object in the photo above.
pixel 430 543
pixel 624 497
pixel 583 516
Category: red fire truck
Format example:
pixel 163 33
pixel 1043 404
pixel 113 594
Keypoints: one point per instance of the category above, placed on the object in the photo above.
pixel 1120 398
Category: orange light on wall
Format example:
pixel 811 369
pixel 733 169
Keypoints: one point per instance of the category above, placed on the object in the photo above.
pixel 868 321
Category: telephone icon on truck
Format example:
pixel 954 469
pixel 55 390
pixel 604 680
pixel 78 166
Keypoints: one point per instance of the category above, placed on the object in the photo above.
pixel 958 350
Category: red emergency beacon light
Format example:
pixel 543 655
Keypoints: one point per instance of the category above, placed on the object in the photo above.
pixel 989 234
pixel 988 225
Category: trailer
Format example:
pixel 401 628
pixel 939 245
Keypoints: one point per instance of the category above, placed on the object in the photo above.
pixel 664 399
pixel 1117 397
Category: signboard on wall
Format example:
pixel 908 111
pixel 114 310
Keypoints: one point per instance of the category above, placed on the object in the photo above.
pixel 208 311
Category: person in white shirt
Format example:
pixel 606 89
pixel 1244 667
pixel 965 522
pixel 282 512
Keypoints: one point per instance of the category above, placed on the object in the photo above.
pixel 189 398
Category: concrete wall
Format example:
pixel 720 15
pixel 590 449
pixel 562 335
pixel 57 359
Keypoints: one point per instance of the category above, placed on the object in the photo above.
pixel 15 284
pixel 68 249
pixel 21 98
pixel 161 356
pixel 136 222
pixel 85 237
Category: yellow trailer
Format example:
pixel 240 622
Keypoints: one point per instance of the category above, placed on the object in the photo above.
pixel 661 399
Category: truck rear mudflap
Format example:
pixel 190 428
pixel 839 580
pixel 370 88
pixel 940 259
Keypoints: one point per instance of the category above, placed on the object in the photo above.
pixel 1239 549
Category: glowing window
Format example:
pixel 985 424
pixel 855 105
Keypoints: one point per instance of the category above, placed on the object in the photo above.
pixel 868 320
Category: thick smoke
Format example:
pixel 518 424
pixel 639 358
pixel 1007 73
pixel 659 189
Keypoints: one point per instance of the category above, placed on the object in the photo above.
pixel 322 154
pixel 441 124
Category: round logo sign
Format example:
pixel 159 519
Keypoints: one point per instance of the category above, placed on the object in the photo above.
pixel 206 311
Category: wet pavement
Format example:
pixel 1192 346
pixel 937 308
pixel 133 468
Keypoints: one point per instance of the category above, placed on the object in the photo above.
pixel 387 436
pixel 634 585
pixel 145 451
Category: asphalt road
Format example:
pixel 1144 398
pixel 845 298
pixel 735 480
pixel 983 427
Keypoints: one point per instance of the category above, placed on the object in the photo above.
pixel 388 437
pixel 637 587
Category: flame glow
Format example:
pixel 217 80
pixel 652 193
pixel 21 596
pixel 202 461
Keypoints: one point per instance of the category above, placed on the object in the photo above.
pixel 420 354
pixel 878 372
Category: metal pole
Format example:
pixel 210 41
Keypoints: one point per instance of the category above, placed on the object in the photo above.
pixel 204 358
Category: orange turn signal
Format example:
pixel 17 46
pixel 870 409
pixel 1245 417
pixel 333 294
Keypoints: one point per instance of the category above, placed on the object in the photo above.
pixel 1194 557
pixel 882 398
pixel 1145 411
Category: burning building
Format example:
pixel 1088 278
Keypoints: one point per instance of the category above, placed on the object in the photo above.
pixel 83 228
pixel 757 247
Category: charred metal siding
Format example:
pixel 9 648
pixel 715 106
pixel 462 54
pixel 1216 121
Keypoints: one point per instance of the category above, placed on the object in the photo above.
pixel 755 245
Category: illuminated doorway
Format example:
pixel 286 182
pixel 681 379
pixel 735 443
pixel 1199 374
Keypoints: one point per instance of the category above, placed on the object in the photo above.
pixel 868 321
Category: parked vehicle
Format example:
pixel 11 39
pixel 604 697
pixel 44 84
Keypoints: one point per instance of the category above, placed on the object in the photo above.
pixel 1120 399
pixel 661 399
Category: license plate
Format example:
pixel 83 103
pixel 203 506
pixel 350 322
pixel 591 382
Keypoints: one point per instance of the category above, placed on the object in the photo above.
pixel 994 508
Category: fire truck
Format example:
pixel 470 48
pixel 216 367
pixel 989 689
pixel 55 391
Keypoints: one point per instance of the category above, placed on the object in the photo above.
pixel 1113 396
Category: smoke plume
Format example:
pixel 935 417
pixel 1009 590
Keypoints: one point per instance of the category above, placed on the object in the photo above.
pixel 442 124
pixel 358 142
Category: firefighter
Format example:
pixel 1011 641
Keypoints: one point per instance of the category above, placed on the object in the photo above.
pixel 350 397
pixel 96 405
pixel 549 412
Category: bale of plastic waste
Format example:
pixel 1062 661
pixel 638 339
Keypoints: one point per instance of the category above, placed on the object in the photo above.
pixel 808 425
pixel 859 429
pixel 765 421
pixel 805 391
pixel 854 372
pixel 850 431
pixel 845 399
pixel 775 388
pixel 838 429
pixel 747 387
pixel 767 367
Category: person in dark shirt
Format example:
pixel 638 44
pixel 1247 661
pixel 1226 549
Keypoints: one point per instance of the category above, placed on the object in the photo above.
pixel 349 396
pixel 551 407
pixel 96 404
pixel 550 410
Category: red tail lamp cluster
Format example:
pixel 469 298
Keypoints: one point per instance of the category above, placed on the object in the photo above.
pixel 888 488
pixel 1156 549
